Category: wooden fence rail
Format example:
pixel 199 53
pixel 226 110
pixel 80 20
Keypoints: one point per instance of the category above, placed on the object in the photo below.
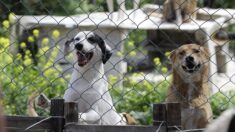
pixel 64 117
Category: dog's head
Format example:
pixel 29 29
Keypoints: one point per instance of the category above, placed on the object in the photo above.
pixel 88 46
pixel 190 59
pixel 43 102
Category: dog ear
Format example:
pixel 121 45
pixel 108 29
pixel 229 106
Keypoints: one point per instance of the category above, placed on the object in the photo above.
pixel 67 45
pixel 172 55
pixel 105 49
pixel 206 51
pixel 129 119
pixel 107 54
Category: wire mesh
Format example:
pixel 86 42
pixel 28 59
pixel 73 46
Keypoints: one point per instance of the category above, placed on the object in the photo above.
pixel 139 73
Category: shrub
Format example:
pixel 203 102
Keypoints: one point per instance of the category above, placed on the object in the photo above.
pixel 137 96
pixel 20 76
pixel 222 101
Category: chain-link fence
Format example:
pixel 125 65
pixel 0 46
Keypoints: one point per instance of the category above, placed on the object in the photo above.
pixel 45 53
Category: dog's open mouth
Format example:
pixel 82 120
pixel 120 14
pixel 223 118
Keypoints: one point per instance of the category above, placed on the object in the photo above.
pixel 84 57
pixel 191 68
pixel 42 103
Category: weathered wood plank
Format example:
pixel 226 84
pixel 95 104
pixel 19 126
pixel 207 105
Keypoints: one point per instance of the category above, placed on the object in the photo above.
pixel 22 122
pixel 11 129
pixel 72 127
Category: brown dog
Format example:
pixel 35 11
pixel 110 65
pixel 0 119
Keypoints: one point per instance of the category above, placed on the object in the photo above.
pixel 179 11
pixel 190 86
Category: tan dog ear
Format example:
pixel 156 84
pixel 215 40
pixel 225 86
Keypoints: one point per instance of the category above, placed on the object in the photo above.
pixel 130 119
pixel 172 55
pixel 206 51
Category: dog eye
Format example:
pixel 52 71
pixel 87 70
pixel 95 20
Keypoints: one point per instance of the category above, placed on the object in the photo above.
pixel 77 39
pixel 196 50
pixel 91 39
pixel 182 52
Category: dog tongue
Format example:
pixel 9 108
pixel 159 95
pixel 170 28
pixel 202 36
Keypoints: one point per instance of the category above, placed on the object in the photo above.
pixel 82 59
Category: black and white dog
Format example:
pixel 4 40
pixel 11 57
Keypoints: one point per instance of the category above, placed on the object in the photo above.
pixel 88 86
pixel 224 123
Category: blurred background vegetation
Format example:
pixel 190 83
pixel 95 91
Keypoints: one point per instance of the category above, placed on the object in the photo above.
pixel 20 76
pixel 71 7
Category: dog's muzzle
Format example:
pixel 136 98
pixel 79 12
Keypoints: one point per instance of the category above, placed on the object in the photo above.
pixel 190 65
pixel 83 57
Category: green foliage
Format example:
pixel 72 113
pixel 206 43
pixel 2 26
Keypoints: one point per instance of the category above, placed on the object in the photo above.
pixel 222 101
pixel 48 7
pixel 137 96
pixel 223 4
pixel 20 76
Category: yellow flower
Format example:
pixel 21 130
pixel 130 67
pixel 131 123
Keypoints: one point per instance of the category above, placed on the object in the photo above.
pixel 6 24
pixel 119 53
pixel 132 53
pixel 40 53
pixel 49 72
pixel 164 70
pixel 23 45
pixel 6 41
pixel 36 33
pixel 31 39
pixel 45 49
pixel 167 54
pixel 142 74
pixel 27 62
pixel 12 17
pixel 55 33
pixel 2 40
pixel 45 41
pixel 131 44
pixel 157 61
pixel 8 58
pixel 113 78
pixel 27 52
pixel 12 86
pixel 20 68
pixel 147 84
pixel 135 74
pixel 18 56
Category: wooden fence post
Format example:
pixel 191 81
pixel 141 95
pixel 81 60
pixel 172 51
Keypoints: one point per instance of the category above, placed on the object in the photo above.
pixel 173 115
pixel 57 115
pixel 160 115
pixel 71 112
pixel 167 115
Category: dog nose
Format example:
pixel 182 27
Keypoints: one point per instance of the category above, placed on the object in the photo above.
pixel 78 46
pixel 189 59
